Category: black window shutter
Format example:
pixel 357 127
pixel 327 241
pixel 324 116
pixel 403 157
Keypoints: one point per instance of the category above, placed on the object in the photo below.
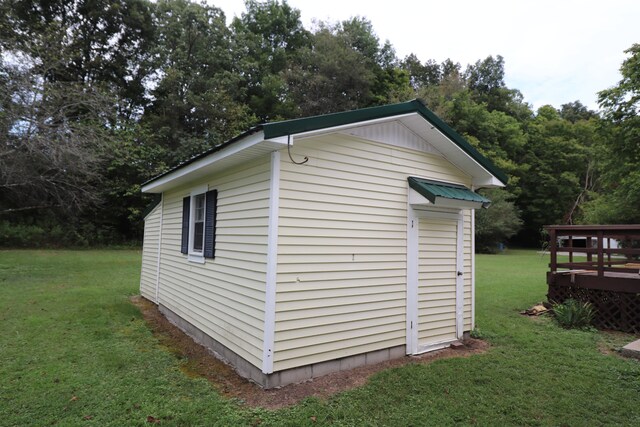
pixel 186 207
pixel 211 201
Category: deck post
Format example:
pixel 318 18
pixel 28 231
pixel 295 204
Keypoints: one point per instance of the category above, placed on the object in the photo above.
pixel 589 246
pixel 600 254
pixel 554 247
pixel 570 247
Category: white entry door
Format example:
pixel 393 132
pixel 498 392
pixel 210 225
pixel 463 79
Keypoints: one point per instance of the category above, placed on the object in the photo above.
pixel 436 294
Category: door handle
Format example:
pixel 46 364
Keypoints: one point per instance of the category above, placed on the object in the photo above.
pixel 459 273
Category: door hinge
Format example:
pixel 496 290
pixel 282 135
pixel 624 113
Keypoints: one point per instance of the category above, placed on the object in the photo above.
pixel 411 325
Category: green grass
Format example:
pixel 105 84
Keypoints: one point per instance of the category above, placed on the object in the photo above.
pixel 74 351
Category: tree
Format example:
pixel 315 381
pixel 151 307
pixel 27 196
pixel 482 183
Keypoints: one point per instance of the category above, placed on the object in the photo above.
pixel 495 134
pixel 330 77
pixel 498 223
pixel 575 111
pixel 448 68
pixel 266 39
pixel 557 159
pixel 54 142
pixel 421 75
pixel 358 34
pixel 87 42
pixel 345 67
pixel 618 200
pixel 485 80
pixel 74 76
pixel 450 84
pixel 194 103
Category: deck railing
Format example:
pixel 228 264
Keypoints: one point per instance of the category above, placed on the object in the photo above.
pixel 606 277
pixel 624 257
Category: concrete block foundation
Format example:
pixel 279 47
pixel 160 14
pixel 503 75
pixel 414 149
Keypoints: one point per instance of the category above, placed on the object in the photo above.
pixel 288 376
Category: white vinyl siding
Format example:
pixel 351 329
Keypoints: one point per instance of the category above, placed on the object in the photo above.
pixel 225 296
pixel 341 279
pixel 149 272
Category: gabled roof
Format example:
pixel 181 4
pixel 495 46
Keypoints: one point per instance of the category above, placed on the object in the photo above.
pixel 270 136
pixel 289 127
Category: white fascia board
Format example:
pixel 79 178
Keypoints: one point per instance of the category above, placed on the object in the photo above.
pixel 488 180
pixel 283 140
pixel 454 203
pixel 418 199
pixel 236 147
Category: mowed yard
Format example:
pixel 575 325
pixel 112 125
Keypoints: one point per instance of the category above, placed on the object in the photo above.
pixel 75 351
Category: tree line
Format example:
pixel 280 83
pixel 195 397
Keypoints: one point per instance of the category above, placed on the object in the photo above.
pixel 98 96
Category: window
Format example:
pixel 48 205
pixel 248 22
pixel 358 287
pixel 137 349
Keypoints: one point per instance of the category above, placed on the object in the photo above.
pixel 199 224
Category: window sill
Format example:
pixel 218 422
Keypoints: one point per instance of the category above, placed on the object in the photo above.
pixel 195 258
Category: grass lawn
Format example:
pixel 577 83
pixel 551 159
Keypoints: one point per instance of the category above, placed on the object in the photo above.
pixel 74 351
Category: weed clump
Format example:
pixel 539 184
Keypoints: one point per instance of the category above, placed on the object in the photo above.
pixel 574 314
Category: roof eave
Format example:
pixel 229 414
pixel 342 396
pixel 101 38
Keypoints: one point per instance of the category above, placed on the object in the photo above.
pixel 202 164
pixel 148 184
pixel 273 135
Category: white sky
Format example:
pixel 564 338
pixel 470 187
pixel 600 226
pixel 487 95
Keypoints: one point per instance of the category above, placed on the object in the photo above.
pixel 555 51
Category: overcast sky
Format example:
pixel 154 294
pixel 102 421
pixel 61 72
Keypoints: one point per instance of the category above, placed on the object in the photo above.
pixel 555 51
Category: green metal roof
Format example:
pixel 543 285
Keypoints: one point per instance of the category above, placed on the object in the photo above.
pixel 291 127
pixel 433 189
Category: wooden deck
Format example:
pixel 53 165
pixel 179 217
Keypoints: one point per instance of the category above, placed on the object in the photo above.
pixel 609 278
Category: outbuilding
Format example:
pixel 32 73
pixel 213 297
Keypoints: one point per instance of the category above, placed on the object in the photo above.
pixel 319 244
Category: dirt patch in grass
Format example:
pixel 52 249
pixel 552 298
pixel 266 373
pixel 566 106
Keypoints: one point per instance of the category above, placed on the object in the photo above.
pixel 611 342
pixel 199 362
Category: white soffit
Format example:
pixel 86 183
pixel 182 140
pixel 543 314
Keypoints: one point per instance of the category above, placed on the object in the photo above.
pixel 393 133
pixel 242 151
pixel 419 134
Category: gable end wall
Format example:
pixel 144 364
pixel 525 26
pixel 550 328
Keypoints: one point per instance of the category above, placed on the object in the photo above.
pixel 341 274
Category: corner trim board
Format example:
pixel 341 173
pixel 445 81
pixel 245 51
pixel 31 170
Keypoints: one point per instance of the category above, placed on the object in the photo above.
pixel 159 250
pixel 272 265
pixel 473 269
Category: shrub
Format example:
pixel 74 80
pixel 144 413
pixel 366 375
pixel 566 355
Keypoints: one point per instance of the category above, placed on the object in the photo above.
pixel 573 314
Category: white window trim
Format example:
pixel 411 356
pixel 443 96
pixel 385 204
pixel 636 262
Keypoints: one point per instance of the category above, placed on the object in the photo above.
pixel 194 256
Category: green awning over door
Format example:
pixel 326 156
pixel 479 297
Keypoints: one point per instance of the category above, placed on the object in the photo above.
pixel 434 190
